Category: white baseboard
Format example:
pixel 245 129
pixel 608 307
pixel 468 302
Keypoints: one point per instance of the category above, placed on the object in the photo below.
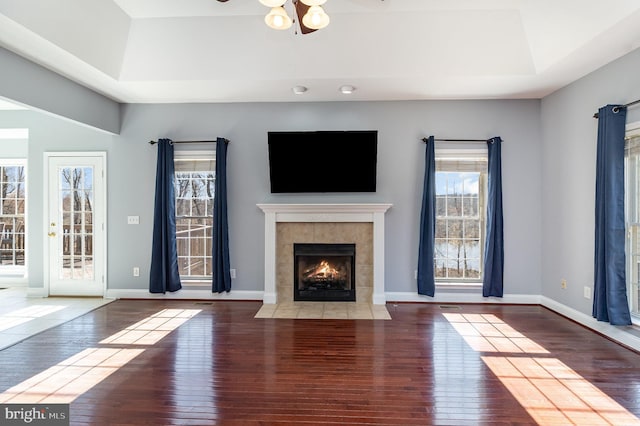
pixel 521 299
pixel 37 292
pixel 184 294
pixel 440 297
pixel 620 334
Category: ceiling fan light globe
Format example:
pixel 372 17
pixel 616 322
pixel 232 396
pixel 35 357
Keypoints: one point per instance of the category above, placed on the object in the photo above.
pixel 272 3
pixel 315 18
pixel 313 2
pixel 278 19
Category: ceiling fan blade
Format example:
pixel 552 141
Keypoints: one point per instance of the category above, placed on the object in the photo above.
pixel 301 9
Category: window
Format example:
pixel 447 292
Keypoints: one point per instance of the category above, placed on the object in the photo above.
pixel 13 200
pixel 632 216
pixel 13 187
pixel 460 194
pixel 194 192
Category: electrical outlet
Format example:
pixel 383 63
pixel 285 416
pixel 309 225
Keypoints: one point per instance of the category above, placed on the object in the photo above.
pixel 563 284
pixel 415 274
pixel 133 220
pixel 587 292
pixel 232 272
pixel 136 271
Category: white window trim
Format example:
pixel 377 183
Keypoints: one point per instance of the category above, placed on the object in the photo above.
pixel 473 151
pixel 184 153
pixel 464 151
pixel 631 130
pixel 16 275
pixel 13 273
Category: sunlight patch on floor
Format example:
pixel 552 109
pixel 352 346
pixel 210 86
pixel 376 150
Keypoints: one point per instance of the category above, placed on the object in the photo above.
pixel 488 333
pixel 151 329
pixel 553 393
pixel 70 378
pixel 20 316
pixel 550 391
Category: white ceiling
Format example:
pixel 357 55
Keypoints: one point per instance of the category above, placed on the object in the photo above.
pixel 210 51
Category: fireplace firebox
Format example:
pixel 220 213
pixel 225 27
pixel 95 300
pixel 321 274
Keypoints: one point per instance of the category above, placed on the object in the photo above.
pixel 324 272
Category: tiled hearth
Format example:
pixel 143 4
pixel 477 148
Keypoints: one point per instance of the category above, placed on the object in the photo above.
pixel 324 310
pixel 362 224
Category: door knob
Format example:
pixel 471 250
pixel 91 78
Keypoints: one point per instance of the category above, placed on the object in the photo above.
pixel 52 234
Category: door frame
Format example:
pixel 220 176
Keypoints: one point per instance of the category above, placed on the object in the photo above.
pixel 102 155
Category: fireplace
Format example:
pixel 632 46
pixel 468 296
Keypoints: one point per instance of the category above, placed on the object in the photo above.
pixel 324 272
pixel 312 220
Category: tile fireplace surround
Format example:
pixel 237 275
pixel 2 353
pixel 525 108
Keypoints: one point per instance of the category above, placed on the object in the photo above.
pixel 318 219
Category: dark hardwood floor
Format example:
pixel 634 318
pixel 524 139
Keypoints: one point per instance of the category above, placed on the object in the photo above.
pixel 207 363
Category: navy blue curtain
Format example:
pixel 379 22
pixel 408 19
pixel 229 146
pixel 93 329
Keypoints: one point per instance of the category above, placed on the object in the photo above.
pixel 220 241
pixel 492 281
pixel 164 274
pixel 426 273
pixel 610 289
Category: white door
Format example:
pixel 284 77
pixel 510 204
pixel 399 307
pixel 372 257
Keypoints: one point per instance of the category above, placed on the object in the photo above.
pixel 75 248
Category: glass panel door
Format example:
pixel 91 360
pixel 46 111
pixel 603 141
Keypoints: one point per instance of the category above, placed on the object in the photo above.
pixel 75 198
pixel 76 234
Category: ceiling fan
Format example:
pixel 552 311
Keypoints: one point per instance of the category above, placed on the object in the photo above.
pixel 308 13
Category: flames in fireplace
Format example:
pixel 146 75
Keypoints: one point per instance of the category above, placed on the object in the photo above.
pixel 324 273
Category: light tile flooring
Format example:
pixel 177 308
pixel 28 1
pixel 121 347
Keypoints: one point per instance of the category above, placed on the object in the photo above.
pixel 324 310
pixel 22 316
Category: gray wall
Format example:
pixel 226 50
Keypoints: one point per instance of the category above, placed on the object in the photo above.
pixel 569 134
pixel 401 125
pixel 548 169
pixel 48 133
pixel 29 84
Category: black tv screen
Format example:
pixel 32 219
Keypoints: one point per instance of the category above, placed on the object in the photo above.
pixel 323 161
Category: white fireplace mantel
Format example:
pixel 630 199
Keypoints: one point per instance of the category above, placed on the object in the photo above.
pixel 367 212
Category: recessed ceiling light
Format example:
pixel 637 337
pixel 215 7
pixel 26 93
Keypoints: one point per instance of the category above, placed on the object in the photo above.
pixel 299 90
pixel 347 90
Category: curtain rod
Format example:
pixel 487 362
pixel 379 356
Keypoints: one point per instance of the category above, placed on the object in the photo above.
pixel 616 109
pixel 425 140
pixel 174 142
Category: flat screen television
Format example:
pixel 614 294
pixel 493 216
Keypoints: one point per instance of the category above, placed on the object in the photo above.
pixel 323 161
